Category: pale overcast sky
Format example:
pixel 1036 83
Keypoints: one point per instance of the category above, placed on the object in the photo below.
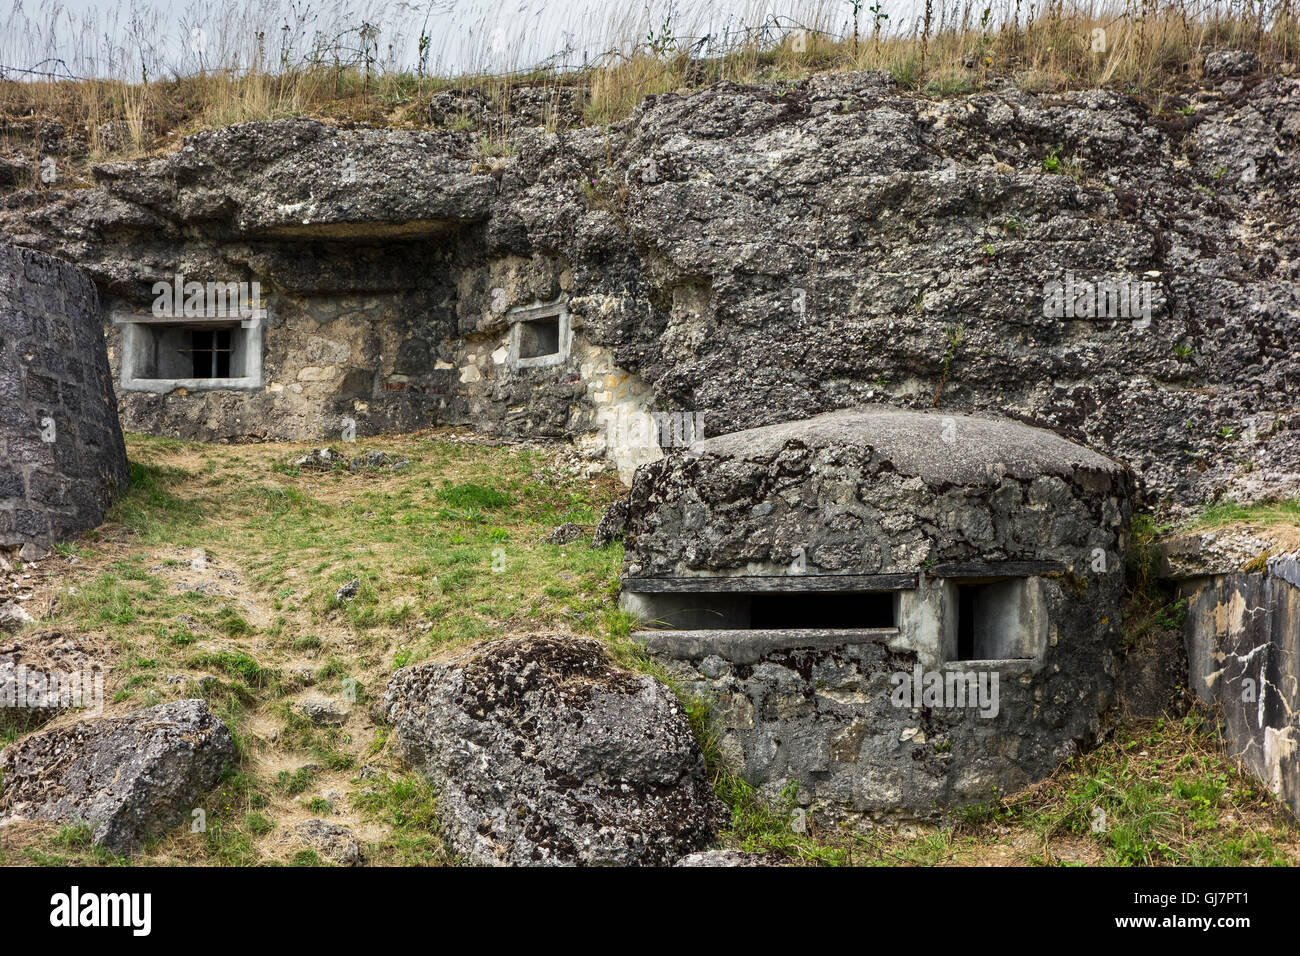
pixel 105 36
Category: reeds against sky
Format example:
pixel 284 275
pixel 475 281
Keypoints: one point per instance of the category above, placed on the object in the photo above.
pixel 135 40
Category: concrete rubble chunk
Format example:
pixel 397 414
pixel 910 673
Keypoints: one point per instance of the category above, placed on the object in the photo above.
pixel 729 858
pixel 547 753
pixel 335 843
pixel 322 711
pixel 13 616
pixel 130 778
pixel 1230 63
pixel 45 672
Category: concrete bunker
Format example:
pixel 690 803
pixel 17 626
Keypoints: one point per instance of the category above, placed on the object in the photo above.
pixel 829 583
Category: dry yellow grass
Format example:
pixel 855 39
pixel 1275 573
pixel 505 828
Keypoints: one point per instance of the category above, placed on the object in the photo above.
pixel 1142 47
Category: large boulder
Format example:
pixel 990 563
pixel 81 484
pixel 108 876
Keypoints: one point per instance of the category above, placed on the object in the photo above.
pixel 547 753
pixel 128 777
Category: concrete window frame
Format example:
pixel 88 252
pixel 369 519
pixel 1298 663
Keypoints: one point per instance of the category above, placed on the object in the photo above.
pixel 1009 619
pixel 140 335
pixel 517 355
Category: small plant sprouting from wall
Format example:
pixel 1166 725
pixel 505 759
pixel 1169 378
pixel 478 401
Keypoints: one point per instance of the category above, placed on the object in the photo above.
pixel 1052 161
pixel 1149 604
pixel 955 336
pixel 600 193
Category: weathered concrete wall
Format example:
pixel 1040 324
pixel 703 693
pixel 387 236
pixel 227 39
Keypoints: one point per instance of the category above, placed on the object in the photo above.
pixel 353 332
pixel 61 452
pixel 583 394
pixel 763 253
pixel 1243 649
pixel 820 714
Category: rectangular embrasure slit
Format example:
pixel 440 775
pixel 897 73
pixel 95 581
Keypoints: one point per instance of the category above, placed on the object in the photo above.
pixel 539 337
pixel 762 611
pixel 870 609
pixel 995 621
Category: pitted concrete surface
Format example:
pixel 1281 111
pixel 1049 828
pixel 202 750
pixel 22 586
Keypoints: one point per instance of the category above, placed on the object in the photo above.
pixel 934 445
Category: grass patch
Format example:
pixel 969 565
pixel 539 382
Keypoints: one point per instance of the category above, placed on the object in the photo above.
pixel 1264 515
pixel 408 806
pixel 1159 793
pixel 469 496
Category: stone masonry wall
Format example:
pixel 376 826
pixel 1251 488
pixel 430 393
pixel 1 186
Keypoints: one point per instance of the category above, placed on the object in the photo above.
pixel 61 452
